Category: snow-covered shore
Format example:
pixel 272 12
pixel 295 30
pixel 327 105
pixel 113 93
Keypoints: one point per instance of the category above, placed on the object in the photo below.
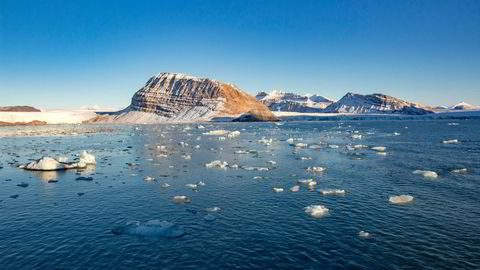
pixel 48 116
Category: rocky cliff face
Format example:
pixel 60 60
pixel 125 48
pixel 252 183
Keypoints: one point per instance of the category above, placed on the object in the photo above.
pixel 18 109
pixel 179 97
pixel 375 103
pixel 291 102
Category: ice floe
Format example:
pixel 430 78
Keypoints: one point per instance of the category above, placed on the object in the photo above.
pixel 379 148
pixel 450 141
pixel 151 228
pixel 275 189
pixel 50 164
pixel 316 210
pixel 216 132
pixel 295 189
pixel 181 199
pixel 265 141
pixel 149 178
pixel 217 164
pixel 363 234
pixel 87 158
pixel 463 170
pixel 233 134
pixel 331 191
pixel 314 169
pixel 401 199
pixel 213 209
pixel 426 174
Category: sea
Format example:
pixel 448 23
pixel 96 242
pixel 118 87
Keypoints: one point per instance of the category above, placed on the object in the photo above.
pixel 122 213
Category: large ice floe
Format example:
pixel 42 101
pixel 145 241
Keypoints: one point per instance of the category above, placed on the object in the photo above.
pixel 400 199
pixel 151 228
pixel 426 174
pixel 51 164
pixel 316 210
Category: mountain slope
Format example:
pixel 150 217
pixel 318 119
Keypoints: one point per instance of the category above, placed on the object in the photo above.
pixel 179 97
pixel 375 103
pixel 291 102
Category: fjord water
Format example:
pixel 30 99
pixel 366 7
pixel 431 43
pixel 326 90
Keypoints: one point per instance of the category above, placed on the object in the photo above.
pixel 49 226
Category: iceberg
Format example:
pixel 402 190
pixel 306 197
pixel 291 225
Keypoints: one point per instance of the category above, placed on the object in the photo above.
pixel 151 228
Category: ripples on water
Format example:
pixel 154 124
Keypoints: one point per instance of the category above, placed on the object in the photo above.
pixel 50 227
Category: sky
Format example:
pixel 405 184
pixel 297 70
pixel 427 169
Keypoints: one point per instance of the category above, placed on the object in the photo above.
pixel 67 54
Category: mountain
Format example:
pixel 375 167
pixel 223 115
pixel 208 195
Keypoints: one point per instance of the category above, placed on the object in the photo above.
pixel 18 109
pixel 291 102
pixel 375 103
pixel 179 97
pixel 464 106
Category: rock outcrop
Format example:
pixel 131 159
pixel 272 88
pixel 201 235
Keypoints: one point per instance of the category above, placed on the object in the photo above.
pixel 291 102
pixel 465 107
pixel 177 97
pixel 375 103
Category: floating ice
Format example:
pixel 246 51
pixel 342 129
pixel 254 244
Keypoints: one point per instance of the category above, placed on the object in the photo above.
pixel 251 168
pixel 396 134
pixel 315 169
pixel 209 217
pixel 401 199
pixel 363 234
pixel 450 141
pixel 215 132
pixel 453 124
pixel 304 181
pixel 23 184
pixel 200 183
pixel 87 158
pixel 382 153
pixel 379 148
pixel 464 170
pixel 186 156
pixel 149 178
pixel 312 184
pixel 192 186
pixel 426 174
pixel 304 158
pixel 151 228
pixel 271 162
pixel 217 164
pixel 62 159
pixel 333 146
pixel 181 199
pixel 265 141
pixel 164 185
pixel 301 145
pixel 200 127
pixel 213 209
pixel 275 189
pixel 295 189
pixel 331 191
pixel 50 164
pixel 316 210
pixel 233 134
pixel 356 136
pixel 360 146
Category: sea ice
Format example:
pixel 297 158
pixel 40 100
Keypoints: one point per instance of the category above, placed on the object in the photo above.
pixel 401 199
pixel 181 199
pixel 50 164
pixel 450 141
pixel 301 145
pixel 233 134
pixel 149 178
pixel 217 164
pixel 463 170
pixel 216 132
pixel 213 209
pixel 151 228
pixel 356 136
pixel 164 185
pixel 265 141
pixel 87 158
pixel 275 189
pixel 331 191
pixel 379 148
pixel 304 181
pixel 295 189
pixel 363 234
pixel 316 210
pixel 426 174
pixel 315 169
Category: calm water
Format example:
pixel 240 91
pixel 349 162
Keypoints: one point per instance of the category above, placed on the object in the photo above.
pixel 49 226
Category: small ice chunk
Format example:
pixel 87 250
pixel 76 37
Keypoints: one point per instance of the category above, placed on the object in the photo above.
pixel 152 228
pixel 331 191
pixel 356 136
pixel 213 209
pixel 333 146
pixel 316 210
pixel 50 164
pixel 396 134
pixel 200 183
pixel 401 199
pixel 360 146
pixel 215 132
pixel 305 158
pixel 382 153
pixel 265 141
pixel 149 178
pixel 233 134
pixel 450 141
pixel 304 181
pixel 186 156
pixel 87 158
pixel 260 169
pixel 426 174
pixel 275 189
pixel 209 217
pixel 164 185
pixel 62 159
pixel 301 145
pixel 271 162
pixel 315 169
pixel 217 164
pixel 181 199
pixel 192 186
pixel 379 148
pixel 295 188
pixel 463 170
pixel 363 234
pixel 312 184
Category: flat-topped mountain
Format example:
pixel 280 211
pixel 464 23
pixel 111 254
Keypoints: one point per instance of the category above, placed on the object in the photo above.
pixel 375 103
pixel 179 97
pixel 291 102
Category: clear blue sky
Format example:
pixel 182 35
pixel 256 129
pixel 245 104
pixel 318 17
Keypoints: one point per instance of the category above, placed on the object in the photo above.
pixel 61 53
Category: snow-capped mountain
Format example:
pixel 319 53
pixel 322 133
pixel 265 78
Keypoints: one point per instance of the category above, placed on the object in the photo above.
pixel 291 102
pixel 375 103
pixel 464 106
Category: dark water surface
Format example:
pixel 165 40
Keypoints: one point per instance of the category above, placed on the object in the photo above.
pixel 49 226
